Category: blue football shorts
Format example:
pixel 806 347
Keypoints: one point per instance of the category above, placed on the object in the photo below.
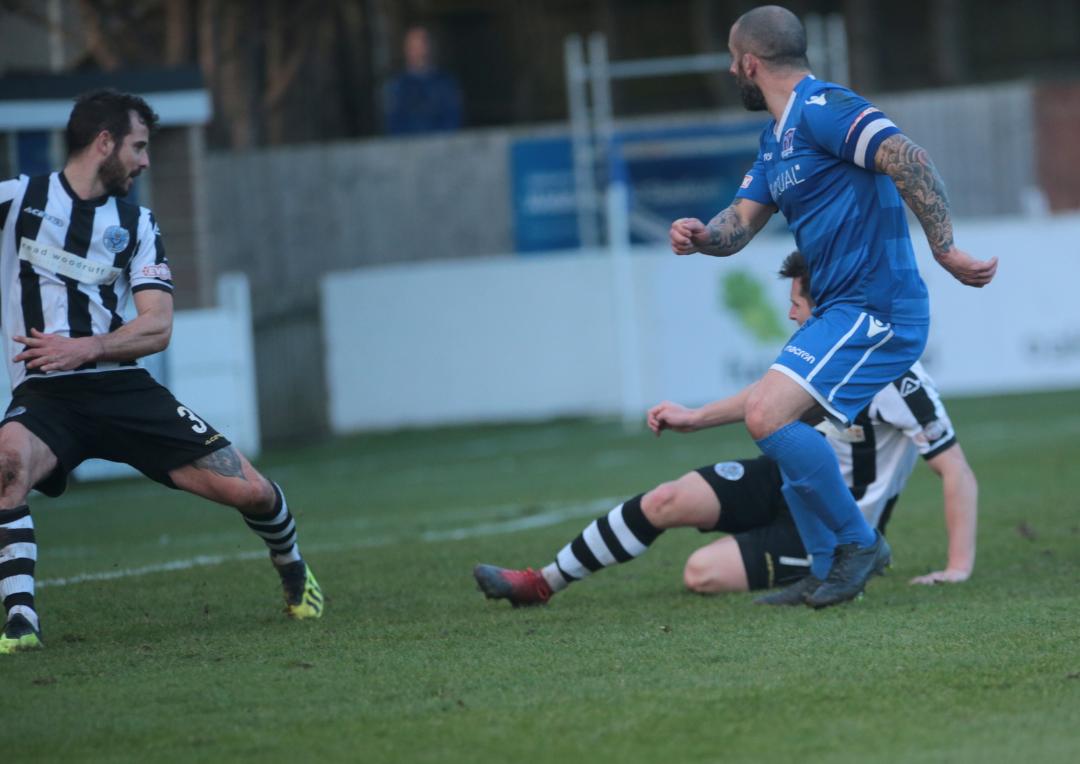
pixel 845 356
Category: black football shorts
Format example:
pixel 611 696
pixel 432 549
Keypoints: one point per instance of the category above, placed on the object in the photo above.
pixel 753 510
pixel 122 416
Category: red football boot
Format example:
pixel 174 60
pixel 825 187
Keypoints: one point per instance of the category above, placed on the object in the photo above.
pixel 521 587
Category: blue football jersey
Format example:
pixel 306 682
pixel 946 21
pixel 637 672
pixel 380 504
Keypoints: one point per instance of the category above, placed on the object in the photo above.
pixel 817 167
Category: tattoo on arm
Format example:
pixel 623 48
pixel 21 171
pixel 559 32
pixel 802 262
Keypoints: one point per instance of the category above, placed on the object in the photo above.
pixel 919 183
pixel 224 462
pixel 727 234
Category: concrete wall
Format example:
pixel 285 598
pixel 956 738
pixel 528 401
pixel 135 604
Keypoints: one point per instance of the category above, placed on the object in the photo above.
pixel 287 216
pixel 428 198
pixel 982 140
pixel 178 196
pixel 1058 108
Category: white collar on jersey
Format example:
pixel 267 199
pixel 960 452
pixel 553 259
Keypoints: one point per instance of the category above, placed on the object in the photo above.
pixel 779 129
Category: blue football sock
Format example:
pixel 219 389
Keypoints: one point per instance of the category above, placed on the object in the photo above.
pixel 820 542
pixel 810 467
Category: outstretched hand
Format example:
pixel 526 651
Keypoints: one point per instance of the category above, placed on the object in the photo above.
pixel 966 269
pixel 671 416
pixel 947 576
pixel 55 352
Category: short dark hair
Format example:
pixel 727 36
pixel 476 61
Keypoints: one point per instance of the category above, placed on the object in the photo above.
pixel 775 35
pixel 795 267
pixel 105 109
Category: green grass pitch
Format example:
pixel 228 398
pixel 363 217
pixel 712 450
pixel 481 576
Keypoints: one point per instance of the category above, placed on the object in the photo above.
pixel 411 664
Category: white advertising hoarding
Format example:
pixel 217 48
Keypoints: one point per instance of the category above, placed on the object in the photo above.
pixel 527 338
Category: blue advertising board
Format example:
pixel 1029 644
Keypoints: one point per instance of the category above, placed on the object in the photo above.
pixel 545 210
pixel 681 172
pixel 32 152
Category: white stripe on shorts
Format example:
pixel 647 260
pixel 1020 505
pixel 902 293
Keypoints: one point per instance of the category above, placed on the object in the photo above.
pixel 837 346
pixel 813 393
pixel 857 366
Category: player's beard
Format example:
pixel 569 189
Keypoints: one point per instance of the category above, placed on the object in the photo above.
pixel 113 176
pixel 753 98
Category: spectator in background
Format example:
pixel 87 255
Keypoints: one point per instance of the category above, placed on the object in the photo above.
pixel 422 99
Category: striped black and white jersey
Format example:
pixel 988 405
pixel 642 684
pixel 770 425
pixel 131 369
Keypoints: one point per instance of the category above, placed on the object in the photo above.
pixel 877 453
pixel 69 266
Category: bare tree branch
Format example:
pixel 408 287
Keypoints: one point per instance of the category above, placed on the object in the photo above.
pixel 96 41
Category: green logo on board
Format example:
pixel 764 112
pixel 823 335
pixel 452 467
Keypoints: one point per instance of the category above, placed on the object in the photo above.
pixel 747 298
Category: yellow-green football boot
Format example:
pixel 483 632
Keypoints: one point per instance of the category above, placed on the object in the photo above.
pixel 19 635
pixel 303 597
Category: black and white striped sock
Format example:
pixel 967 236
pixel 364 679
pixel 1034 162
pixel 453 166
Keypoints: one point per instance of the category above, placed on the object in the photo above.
pixel 619 536
pixel 278 530
pixel 18 553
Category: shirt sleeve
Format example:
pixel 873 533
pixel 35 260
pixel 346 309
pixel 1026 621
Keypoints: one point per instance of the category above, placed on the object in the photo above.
pixel 847 126
pixel 149 269
pixel 755 186
pixel 912 405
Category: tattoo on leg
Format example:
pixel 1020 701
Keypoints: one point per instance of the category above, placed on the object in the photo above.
pixel 10 469
pixel 224 462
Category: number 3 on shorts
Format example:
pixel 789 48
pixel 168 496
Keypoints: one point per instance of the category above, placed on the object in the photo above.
pixel 199 426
